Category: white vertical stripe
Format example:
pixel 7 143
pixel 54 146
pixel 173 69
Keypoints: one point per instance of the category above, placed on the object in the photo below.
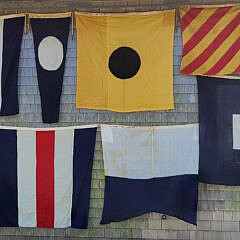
pixel 26 169
pixel 236 131
pixel 1 53
pixel 63 177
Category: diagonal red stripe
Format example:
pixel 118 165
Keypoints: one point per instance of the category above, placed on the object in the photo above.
pixel 223 61
pixel 204 29
pixel 189 16
pixel 198 61
pixel 45 178
pixel 237 70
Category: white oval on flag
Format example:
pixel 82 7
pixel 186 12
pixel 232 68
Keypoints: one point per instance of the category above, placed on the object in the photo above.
pixel 50 53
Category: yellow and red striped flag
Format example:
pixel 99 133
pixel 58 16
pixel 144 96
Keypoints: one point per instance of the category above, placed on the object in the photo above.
pixel 211 40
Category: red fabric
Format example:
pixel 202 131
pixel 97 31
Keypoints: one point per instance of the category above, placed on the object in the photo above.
pixel 45 178
pixel 237 69
pixel 189 16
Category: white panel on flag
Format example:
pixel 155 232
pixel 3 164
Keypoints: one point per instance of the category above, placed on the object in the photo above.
pixel 236 131
pixel 176 150
pixel 149 152
pixel 63 177
pixel 107 135
pixel 26 167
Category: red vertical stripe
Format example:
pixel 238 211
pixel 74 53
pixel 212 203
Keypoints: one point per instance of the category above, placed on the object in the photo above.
pixel 45 178
pixel 204 29
pixel 189 16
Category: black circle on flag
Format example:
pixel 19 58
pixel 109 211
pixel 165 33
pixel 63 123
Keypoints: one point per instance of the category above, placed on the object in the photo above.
pixel 124 62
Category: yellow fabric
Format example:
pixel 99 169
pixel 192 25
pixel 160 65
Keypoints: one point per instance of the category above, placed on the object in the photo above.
pixel 192 30
pixel 151 36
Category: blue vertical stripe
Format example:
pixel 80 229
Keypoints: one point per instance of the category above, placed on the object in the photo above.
pixel 12 38
pixel 8 179
pixel 84 145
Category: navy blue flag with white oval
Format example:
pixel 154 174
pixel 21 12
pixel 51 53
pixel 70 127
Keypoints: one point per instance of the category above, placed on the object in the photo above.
pixel 150 169
pixel 50 44
pixel 219 117
pixel 11 31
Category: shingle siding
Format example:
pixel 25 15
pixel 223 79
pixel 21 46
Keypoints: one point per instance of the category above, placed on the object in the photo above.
pixel 219 206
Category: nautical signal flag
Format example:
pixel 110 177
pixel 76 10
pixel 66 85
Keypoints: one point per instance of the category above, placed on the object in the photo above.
pixel 11 31
pixel 45 176
pixel 219 117
pixel 125 61
pixel 211 41
pixel 50 34
pixel 150 169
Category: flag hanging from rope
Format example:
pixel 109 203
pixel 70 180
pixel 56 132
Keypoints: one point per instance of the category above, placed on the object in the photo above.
pixel 45 176
pixel 125 61
pixel 50 34
pixel 150 169
pixel 211 40
pixel 219 117
pixel 11 31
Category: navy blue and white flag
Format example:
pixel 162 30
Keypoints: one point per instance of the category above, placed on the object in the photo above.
pixel 45 176
pixel 50 43
pixel 150 169
pixel 219 117
pixel 11 31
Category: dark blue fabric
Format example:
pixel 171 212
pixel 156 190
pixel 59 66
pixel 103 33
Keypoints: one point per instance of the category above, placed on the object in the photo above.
pixel 50 82
pixel 126 198
pixel 12 38
pixel 8 179
pixel 218 101
pixel 84 145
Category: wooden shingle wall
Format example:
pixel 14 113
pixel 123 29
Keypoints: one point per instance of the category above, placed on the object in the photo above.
pixel 219 206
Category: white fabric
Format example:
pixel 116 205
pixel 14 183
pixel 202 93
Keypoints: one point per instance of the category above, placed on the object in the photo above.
pixel 63 178
pixel 1 55
pixel 50 53
pixel 149 152
pixel 236 131
pixel 26 169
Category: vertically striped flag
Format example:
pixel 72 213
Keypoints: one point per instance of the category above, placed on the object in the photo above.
pixel 211 40
pixel 45 176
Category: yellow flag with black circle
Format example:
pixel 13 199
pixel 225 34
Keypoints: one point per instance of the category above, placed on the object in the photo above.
pixel 125 61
